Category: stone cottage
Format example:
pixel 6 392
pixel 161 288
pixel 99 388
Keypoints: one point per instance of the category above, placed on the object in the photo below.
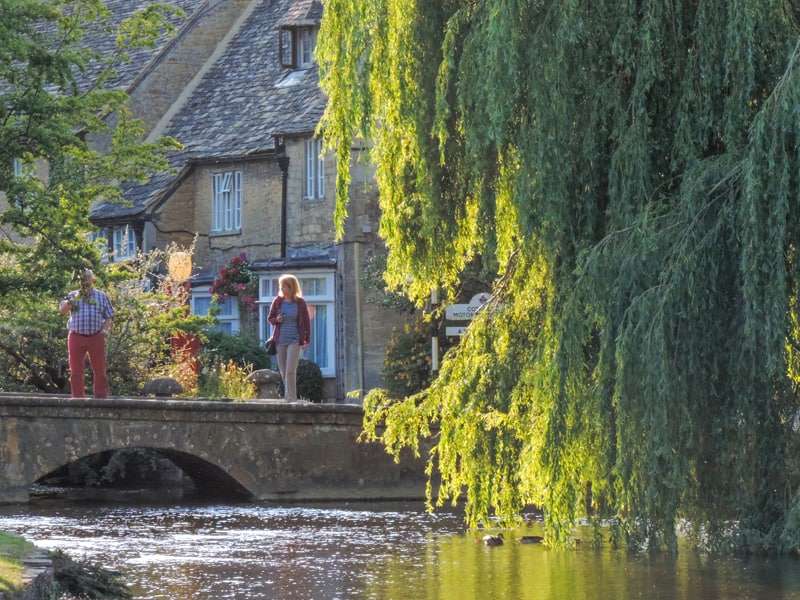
pixel 238 87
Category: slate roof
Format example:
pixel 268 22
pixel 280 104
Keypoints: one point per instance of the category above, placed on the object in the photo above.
pixel 303 12
pixel 239 106
pixel 103 41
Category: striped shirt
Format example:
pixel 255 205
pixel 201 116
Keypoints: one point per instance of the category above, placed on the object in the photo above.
pixel 88 316
pixel 289 333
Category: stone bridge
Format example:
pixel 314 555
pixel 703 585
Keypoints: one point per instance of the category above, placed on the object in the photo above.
pixel 263 450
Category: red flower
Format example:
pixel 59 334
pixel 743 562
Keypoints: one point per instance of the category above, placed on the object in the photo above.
pixel 236 279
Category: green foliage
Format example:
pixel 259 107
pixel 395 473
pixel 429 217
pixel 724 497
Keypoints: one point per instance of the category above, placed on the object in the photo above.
pixel 407 365
pixel 12 550
pixel 632 170
pixel 54 99
pixel 373 283
pixel 77 579
pixel 33 344
pixel 227 380
pixel 118 463
pixel 310 384
pixel 220 347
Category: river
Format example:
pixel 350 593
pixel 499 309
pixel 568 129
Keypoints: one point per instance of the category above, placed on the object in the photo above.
pixel 369 551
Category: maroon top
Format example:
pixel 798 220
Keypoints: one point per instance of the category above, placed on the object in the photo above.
pixel 303 320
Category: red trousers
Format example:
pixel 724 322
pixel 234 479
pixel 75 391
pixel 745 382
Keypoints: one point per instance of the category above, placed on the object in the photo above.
pixel 95 346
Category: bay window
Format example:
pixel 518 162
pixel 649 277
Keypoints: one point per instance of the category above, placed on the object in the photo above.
pixel 319 294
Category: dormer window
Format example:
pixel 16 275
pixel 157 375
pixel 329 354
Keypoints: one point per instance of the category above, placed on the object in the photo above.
pixel 297 47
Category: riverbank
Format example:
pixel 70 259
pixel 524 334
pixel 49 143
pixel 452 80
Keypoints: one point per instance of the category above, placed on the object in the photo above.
pixel 12 550
pixel 31 573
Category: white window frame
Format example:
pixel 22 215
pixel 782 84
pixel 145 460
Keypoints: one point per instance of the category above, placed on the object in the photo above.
pixel 314 170
pixel 124 243
pixel 268 289
pixel 305 47
pixel 115 243
pixel 228 316
pixel 226 202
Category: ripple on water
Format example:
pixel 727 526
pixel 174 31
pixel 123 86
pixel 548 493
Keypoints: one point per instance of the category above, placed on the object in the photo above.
pixel 379 552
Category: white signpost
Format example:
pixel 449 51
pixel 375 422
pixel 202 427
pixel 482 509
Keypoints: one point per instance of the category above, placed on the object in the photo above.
pixel 463 312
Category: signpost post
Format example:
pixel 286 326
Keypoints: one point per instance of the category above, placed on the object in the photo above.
pixel 434 335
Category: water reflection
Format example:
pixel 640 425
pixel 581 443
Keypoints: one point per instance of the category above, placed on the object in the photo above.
pixel 377 551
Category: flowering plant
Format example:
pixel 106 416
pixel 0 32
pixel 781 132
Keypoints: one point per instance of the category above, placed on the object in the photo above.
pixel 236 279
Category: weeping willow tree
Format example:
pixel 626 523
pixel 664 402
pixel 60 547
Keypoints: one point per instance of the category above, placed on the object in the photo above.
pixel 631 169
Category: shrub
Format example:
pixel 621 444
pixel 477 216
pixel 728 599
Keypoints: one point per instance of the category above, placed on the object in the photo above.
pixel 310 383
pixel 407 365
pixel 80 579
pixel 221 347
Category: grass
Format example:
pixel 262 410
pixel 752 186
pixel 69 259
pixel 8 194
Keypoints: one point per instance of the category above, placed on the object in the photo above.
pixel 12 549
pixel 228 380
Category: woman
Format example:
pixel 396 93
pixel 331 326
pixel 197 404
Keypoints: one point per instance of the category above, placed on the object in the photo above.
pixel 289 316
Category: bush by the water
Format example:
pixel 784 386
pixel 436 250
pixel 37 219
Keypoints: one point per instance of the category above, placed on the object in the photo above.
pixel 83 580
pixel 76 579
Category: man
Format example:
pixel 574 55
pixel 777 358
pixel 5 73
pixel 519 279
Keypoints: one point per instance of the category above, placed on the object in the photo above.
pixel 90 314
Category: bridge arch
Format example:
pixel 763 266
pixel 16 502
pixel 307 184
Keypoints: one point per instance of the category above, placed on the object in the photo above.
pixel 143 468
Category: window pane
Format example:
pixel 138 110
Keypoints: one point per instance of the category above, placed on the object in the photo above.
pixel 306 47
pixel 237 200
pixel 320 170
pixel 226 308
pixel 227 222
pixel 287 56
pixel 308 191
pixel 216 223
pixel 201 305
pixel 317 350
pixel 315 286
pixel 131 243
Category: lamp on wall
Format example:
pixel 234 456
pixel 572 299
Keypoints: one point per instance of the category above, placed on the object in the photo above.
pixel 180 266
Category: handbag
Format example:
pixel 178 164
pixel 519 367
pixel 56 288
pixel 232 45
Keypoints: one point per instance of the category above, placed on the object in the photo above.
pixel 271 347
